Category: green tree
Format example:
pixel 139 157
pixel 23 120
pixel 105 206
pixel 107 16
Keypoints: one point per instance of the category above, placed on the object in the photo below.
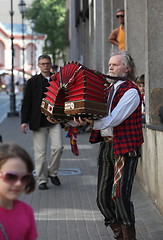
pixel 49 17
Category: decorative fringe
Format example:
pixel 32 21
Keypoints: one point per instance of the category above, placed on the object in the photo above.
pixel 118 168
pixel 72 134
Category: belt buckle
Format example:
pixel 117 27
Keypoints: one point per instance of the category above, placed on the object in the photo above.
pixel 108 139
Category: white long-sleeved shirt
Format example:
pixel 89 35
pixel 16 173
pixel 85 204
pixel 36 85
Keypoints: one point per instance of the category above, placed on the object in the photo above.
pixel 125 107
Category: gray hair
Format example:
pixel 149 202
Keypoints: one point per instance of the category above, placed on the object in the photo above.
pixel 128 62
pixel 44 56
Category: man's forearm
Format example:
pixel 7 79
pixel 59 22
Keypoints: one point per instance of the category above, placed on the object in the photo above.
pixel 115 42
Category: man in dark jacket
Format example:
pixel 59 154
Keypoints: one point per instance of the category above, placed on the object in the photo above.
pixel 31 115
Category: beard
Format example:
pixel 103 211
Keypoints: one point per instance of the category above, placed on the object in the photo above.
pixel 119 74
pixel 112 74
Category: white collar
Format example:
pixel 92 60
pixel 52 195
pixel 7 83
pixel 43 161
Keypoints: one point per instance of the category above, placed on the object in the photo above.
pixel 117 84
pixel 48 78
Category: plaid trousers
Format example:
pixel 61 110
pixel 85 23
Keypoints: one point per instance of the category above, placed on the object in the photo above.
pixel 117 209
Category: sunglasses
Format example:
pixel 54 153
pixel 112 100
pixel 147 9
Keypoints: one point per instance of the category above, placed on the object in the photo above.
pixel 118 16
pixel 12 178
pixel 45 64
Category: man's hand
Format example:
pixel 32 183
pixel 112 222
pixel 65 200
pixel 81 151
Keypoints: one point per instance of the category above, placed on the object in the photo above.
pixel 52 120
pixel 83 121
pixel 24 128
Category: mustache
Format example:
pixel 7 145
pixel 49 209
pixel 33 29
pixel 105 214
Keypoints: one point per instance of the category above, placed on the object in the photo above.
pixel 114 77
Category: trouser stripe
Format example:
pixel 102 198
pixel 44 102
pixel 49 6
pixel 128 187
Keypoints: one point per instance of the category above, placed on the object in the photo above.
pixel 121 208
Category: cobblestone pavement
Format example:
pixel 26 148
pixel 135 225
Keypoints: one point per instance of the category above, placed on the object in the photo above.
pixel 69 211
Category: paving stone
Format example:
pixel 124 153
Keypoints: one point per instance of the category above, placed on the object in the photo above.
pixel 70 211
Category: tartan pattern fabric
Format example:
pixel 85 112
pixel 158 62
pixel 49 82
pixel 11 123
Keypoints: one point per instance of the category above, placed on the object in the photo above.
pixel 118 168
pixel 95 136
pixel 128 135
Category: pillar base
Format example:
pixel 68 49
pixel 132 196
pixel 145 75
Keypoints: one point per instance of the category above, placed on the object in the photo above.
pixel 13 114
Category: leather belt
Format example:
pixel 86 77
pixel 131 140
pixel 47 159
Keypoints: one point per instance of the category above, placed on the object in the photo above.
pixel 108 138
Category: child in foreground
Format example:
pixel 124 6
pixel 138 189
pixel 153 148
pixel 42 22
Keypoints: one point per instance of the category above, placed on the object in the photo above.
pixel 16 217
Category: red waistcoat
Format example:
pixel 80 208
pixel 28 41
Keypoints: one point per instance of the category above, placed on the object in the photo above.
pixel 128 135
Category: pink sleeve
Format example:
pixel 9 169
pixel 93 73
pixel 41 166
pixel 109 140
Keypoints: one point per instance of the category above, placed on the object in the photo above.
pixel 32 233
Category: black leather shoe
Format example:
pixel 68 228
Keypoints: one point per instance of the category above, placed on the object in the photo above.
pixel 43 186
pixel 55 180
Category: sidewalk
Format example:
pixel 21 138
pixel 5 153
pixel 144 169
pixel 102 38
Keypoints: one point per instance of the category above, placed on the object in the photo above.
pixel 69 212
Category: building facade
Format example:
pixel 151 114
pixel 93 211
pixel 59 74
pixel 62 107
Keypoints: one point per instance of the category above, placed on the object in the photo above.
pixel 32 47
pixel 26 51
pixel 90 23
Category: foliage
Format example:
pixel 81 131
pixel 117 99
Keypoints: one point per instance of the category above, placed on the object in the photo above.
pixel 49 18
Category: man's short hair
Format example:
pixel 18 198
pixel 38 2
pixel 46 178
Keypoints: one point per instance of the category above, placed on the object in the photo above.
pixel 120 10
pixel 44 56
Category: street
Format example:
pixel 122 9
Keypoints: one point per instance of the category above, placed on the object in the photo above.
pixel 5 104
pixel 70 211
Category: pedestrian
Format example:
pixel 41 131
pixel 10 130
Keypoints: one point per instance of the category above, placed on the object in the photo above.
pixel 16 217
pixel 140 83
pixel 121 137
pixel 31 115
pixel 117 36
pixel 7 81
pixel 54 68
pixel 17 81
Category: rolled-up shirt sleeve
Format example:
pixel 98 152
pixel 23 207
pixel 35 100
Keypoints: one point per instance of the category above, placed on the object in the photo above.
pixel 125 107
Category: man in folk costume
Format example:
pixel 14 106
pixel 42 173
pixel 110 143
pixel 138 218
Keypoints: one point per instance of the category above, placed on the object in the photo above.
pixel 121 135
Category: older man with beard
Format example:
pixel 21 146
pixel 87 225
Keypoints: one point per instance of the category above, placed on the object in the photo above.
pixel 121 135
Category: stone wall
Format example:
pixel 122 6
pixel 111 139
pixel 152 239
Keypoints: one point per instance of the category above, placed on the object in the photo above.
pixel 150 166
pixel 143 27
pixel 144 42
